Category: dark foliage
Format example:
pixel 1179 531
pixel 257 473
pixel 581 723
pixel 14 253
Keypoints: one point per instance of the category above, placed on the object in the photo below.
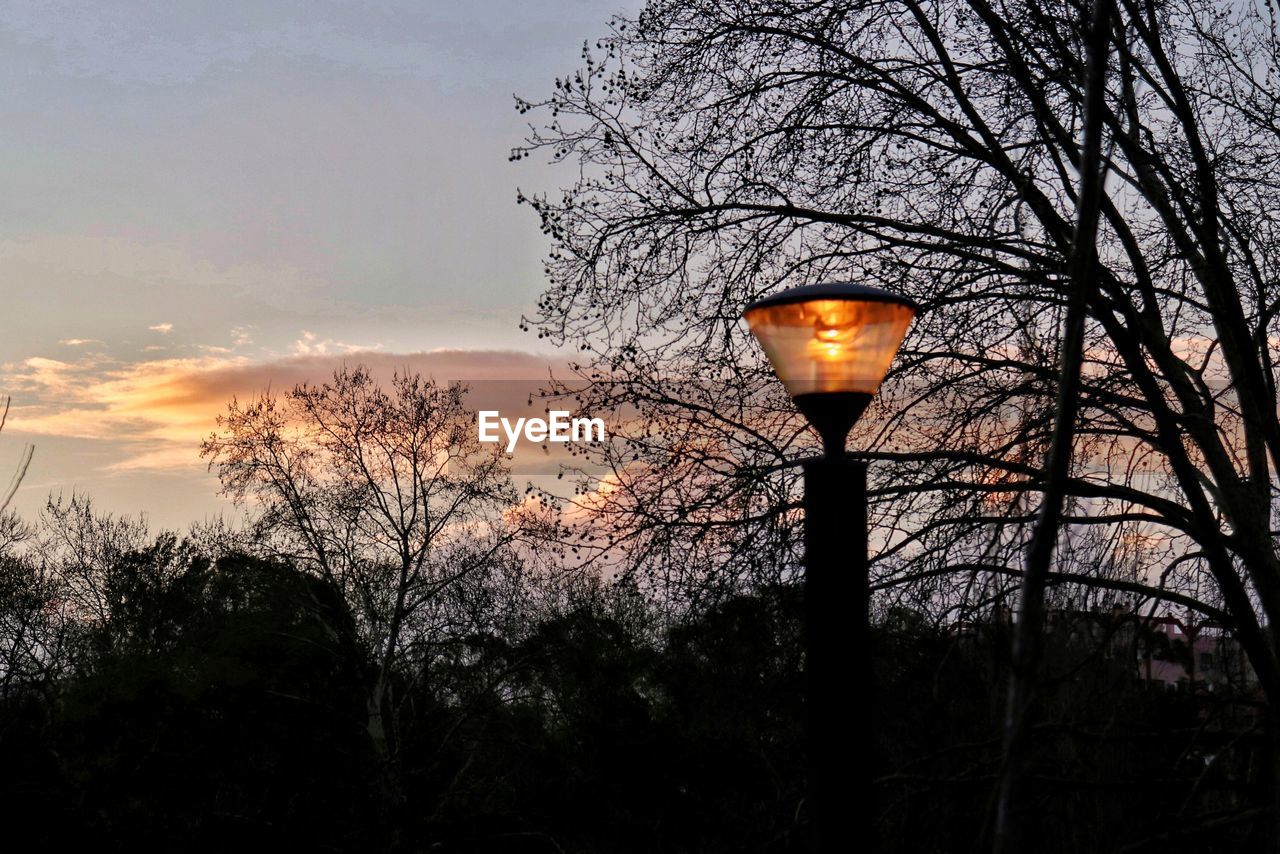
pixel 217 707
pixel 221 706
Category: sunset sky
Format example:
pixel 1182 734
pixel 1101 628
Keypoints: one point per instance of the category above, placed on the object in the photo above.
pixel 202 200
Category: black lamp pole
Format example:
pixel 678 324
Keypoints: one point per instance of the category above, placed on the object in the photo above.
pixel 831 345
pixel 842 814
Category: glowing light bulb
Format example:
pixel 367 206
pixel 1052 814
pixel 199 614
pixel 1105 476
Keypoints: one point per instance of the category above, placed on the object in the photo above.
pixel 828 333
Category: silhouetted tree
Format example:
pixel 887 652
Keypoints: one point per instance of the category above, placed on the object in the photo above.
pixel 221 707
pixel 20 471
pixel 722 150
pixel 387 495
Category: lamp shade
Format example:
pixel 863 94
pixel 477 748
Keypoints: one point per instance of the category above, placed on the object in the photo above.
pixel 831 338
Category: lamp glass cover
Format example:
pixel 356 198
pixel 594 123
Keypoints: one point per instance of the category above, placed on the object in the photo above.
pixel 831 345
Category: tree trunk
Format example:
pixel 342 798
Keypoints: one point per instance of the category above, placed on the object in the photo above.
pixel 1012 802
pixel 376 724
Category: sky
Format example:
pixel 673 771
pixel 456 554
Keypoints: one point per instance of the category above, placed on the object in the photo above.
pixel 203 200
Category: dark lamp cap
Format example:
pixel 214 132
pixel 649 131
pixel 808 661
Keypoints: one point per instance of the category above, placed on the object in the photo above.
pixel 832 291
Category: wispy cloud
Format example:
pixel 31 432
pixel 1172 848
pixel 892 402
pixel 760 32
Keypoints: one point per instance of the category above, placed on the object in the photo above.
pixel 311 345
pixel 154 413
pixel 162 328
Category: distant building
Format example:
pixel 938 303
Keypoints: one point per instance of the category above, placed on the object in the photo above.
pixel 1192 654
pixel 1167 651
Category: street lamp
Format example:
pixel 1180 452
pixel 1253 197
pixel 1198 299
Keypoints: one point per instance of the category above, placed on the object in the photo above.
pixel 831 345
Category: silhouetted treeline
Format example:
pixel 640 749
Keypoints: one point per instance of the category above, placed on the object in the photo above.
pixel 221 703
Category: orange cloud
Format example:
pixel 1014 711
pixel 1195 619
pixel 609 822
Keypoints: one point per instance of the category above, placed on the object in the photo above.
pixel 158 411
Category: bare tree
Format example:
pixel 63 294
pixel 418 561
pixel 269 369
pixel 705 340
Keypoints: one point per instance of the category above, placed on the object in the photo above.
pixel 726 149
pixel 20 471
pixel 79 544
pixel 1011 815
pixel 55 578
pixel 30 631
pixel 386 494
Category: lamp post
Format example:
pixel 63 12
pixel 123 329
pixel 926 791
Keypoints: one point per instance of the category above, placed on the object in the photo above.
pixel 831 345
